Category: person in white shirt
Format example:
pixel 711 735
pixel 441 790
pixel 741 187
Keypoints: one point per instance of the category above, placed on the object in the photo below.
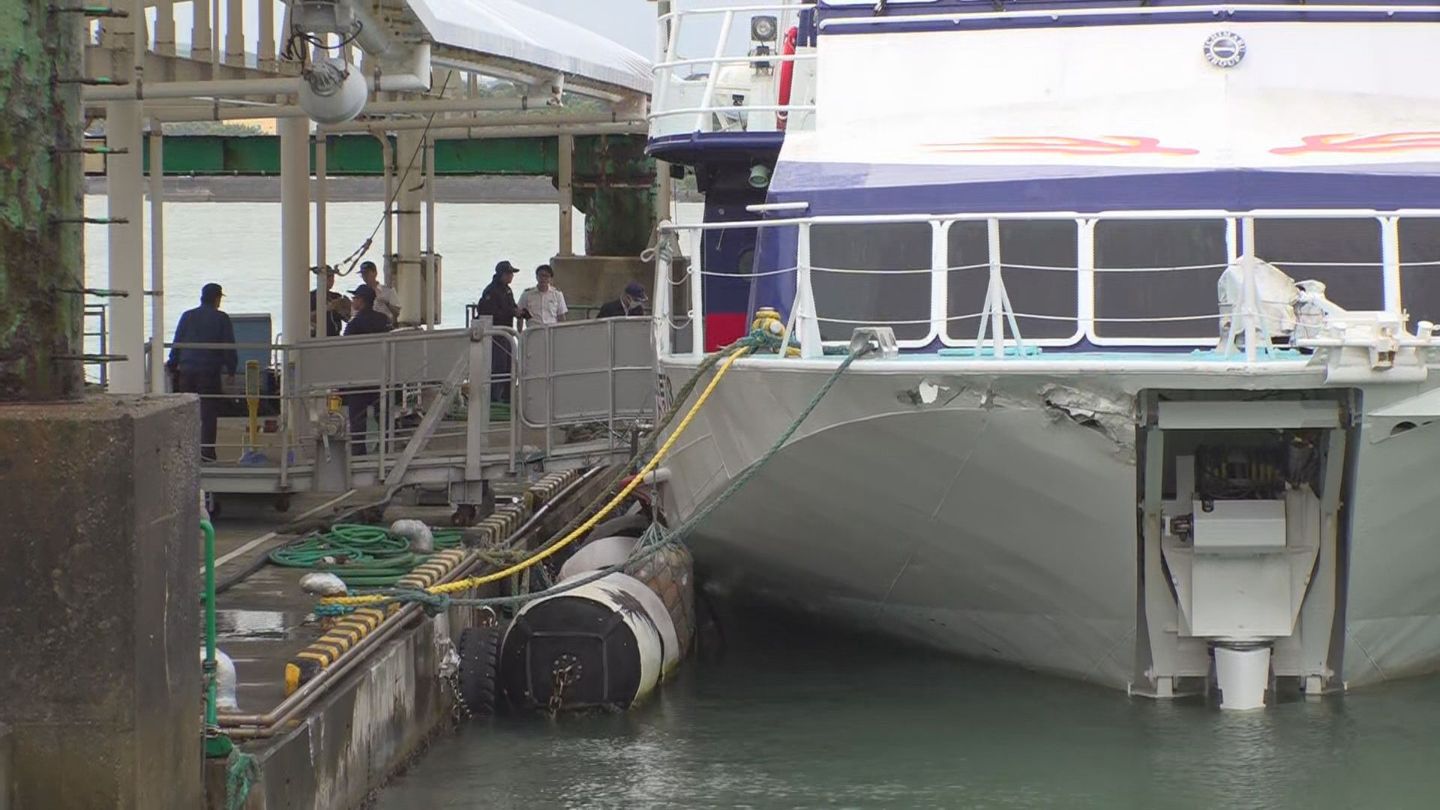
pixel 387 300
pixel 543 303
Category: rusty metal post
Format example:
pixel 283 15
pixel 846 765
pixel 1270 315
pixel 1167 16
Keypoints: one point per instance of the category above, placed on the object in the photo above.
pixel 41 203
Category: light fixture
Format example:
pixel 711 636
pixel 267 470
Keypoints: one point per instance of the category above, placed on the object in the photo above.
pixel 759 176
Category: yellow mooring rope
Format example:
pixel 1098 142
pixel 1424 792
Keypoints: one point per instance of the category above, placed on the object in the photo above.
pixel 583 528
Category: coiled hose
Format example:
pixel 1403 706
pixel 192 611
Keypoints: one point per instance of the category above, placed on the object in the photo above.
pixel 362 556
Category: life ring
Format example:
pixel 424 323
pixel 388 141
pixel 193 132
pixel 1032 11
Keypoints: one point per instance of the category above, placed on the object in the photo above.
pixel 787 73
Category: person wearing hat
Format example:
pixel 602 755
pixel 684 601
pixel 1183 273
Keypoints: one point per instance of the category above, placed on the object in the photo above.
pixel 387 300
pixel 197 370
pixel 629 304
pixel 543 303
pixel 498 301
pixel 367 320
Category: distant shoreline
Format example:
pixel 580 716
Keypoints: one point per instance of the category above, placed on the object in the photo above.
pixel 488 189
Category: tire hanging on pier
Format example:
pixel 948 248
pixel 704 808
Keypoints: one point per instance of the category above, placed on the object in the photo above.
pixel 605 644
pixel 479 675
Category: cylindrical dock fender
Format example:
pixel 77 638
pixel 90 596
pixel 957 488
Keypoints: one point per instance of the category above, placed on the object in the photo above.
pixel 604 644
pixel 668 572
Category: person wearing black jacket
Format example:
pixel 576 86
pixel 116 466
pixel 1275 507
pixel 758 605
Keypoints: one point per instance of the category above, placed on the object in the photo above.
pixel 366 321
pixel 498 301
pixel 197 370
pixel 629 304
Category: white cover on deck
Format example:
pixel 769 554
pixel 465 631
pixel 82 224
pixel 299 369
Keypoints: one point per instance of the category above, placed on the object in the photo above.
pixel 512 30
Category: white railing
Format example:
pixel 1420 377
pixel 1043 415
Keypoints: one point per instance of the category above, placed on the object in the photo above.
pixel 729 90
pixel 999 321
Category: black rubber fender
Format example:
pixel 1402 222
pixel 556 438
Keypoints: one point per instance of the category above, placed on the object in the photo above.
pixel 479 676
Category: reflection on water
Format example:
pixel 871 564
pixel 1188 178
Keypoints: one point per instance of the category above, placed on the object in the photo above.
pixel 795 718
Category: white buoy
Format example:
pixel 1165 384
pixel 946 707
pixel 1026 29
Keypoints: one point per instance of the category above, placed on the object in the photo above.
pixel 1242 675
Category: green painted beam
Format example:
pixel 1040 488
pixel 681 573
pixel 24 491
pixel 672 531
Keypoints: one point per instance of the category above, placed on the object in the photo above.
pixel 598 158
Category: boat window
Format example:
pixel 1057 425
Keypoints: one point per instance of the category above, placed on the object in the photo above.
pixel 1163 268
pixel 1038 259
pixel 1420 269
pixel 1342 253
pixel 892 293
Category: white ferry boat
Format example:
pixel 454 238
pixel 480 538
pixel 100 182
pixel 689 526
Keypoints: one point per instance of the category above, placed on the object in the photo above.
pixel 1161 279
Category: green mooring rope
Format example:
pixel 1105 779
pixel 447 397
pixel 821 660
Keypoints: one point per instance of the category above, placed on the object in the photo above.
pixel 240 775
pixel 362 556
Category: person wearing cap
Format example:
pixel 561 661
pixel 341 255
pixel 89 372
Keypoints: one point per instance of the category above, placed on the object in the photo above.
pixel 387 300
pixel 337 308
pixel 367 320
pixel 498 301
pixel 197 370
pixel 543 303
pixel 629 304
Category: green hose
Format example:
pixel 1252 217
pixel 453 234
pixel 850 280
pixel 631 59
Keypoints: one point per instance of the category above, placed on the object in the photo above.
pixel 362 556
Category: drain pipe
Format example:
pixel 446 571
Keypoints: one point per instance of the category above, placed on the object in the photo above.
pixel 216 743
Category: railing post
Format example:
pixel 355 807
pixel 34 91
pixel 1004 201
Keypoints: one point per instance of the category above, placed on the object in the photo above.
pixel 664 290
pixel 697 296
pixel 806 317
pixel 1390 263
pixel 939 278
pixel 1249 297
pixel 1085 268
pixel 669 36
pixel 707 107
pixel 477 417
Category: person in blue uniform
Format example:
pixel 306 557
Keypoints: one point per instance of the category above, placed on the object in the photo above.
pixel 629 304
pixel 498 301
pixel 198 370
pixel 366 320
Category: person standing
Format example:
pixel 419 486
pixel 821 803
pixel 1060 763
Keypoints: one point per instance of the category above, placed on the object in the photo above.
pixel 197 370
pixel 498 301
pixel 387 300
pixel 367 320
pixel 337 308
pixel 629 304
pixel 543 303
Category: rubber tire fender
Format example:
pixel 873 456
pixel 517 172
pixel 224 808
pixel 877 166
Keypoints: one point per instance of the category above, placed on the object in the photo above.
pixel 479 676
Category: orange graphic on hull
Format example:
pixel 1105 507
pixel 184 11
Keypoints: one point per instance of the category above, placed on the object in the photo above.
pixel 1346 142
pixel 1063 145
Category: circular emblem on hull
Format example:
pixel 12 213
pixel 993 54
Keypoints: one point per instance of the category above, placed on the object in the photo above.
pixel 1224 49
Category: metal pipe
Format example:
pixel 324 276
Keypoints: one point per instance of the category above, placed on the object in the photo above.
pixel 477 122
pixel 157 258
pixel 516 406
pixel 321 203
pixel 295 230
pixel 566 184
pixel 430 289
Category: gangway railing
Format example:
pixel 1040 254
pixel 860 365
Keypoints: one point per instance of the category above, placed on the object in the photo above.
pixel 736 88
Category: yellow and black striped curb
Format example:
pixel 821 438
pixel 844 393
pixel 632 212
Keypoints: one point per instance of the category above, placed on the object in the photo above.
pixel 500 524
pixel 327 649
pixel 544 489
pixel 432 570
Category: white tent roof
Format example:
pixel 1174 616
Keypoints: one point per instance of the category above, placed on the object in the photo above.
pixel 511 30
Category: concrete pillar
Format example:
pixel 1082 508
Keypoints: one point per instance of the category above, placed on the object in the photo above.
pixel 41 237
pixel 295 229
pixel 165 27
pixel 409 153
pixel 200 30
pixel 566 183
pixel 235 32
pixel 432 281
pixel 99 611
pixel 127 246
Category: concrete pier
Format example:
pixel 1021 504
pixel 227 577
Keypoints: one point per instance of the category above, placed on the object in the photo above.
pixel 99 618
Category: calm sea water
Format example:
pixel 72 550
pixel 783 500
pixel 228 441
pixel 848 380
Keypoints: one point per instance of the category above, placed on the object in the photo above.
pixel 791 716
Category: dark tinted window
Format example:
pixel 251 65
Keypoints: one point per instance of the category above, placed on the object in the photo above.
pixel 1025 247
pixel 1420 269
pixel 1147 248
pixel 1328 250
pixel 881 297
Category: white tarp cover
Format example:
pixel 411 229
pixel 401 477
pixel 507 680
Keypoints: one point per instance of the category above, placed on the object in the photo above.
pixel 512 30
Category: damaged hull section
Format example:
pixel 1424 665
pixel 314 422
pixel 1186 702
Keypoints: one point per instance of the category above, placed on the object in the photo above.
pixel 1003 516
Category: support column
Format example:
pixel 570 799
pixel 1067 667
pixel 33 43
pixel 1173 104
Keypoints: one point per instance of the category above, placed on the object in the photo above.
pixel 157 257
pixel 165 27
pixel 42 241
pixel 123 181
pixel 411 164
pixel 322 193
pixel 200 30
pixel 235 32
pixel 566 183
pixel 295 229
pixel 432 277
